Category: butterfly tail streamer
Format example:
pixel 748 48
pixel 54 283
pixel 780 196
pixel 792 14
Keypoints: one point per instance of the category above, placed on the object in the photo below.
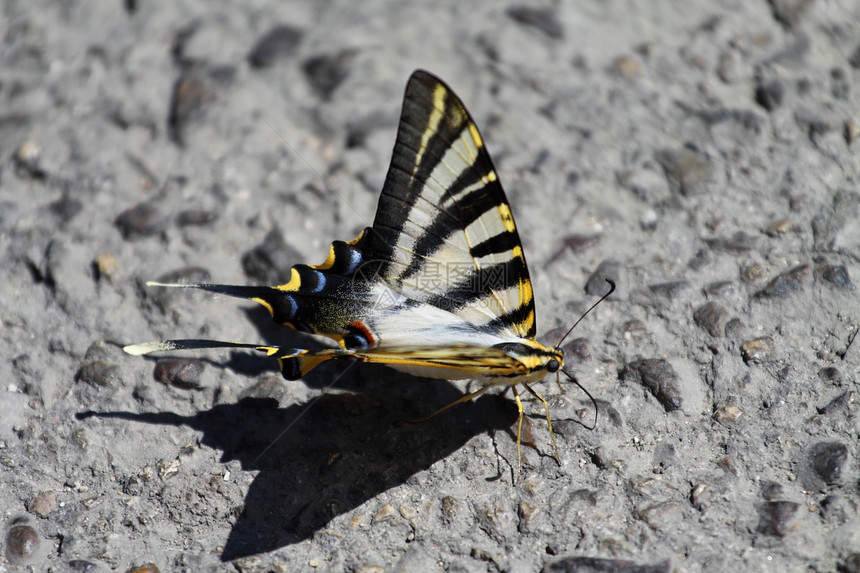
pixel 294 362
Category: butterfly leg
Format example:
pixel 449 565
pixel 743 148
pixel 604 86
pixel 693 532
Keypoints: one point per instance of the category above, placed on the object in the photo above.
pixel 465 398
pixel 548 420
pixel 519 429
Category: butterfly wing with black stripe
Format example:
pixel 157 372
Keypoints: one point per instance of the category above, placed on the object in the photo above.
pixel 443 227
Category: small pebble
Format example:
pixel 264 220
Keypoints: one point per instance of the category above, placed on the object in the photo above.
pixel 527 513
pixel 97 373
pixel 627 67
pixel 687 172
pixel 168 469
pixel 828 460
pixel 384 513
pixel 192 95
pixel 769 95
pixel 758 350
pixel 669 290
pixel 772 491
pixel 82 566
pixel 541 19
pixel 451 506
pixel 712 318
pixel 106 265
pixel 271 261
pixel 281 41
pixel 22 543
pixel 700 260
pixel 633 329
pixel 141 220
pixel 780 227
pixel 179 372
pixel 596 284
pixel 738 243
pixel 850 131
pixel 578 349
pixel 836 404
pixel 576 243
pixel 775 517
pixel 752 273
pixel 268 386
pixel 719 288
pixel 659 377
pixel 44 503
pixel 326 72
pixel 26 161
pixel 836 275
pixel 195 217
pixel 727 414
pixel 786 283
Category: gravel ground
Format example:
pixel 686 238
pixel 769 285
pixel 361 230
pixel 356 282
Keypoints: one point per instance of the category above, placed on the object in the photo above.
pixel 703 154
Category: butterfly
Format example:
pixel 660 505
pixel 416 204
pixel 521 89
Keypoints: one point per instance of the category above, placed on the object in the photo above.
pixel 438 287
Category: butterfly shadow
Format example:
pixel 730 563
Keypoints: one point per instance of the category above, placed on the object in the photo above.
pixel 324 458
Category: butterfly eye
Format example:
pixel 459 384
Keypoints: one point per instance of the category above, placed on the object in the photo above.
pixel 552 365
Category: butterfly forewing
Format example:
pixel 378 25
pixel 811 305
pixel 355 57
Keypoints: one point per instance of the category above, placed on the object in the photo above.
pixel 443 226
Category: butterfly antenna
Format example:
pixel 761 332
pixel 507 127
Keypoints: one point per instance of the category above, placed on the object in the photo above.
pixel 587 393
pixel 611 290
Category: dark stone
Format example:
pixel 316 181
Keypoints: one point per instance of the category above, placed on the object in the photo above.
pixel 82 566
pixel 542 19
pixel 775 517
pixel 195 217
pixel 836 275
pixel 836 404
pixel 712 318
pixel 270 261
pixel 193 93
pixel 854 60
pixel 786 283
pixel 279 42
pixel 772 491
pixel 669 290
pixel 840 85
pixel 141 220
pixel 769 95
pixel 700 260
pixel 828 460
pixel 659 377
pixel 579 349
pixel 738 243
pixel 66 207
pixel 830 374
pixel 789 12
pixel 326 72
pixel 719 288
pixel 687 172
pixel 97 373
pixel 576 243
pixel 180 372
pixel 596 284
pixel 270 386
pixel 22 543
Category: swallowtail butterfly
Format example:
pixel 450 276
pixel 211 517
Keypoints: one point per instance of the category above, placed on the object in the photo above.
pixel 437 287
